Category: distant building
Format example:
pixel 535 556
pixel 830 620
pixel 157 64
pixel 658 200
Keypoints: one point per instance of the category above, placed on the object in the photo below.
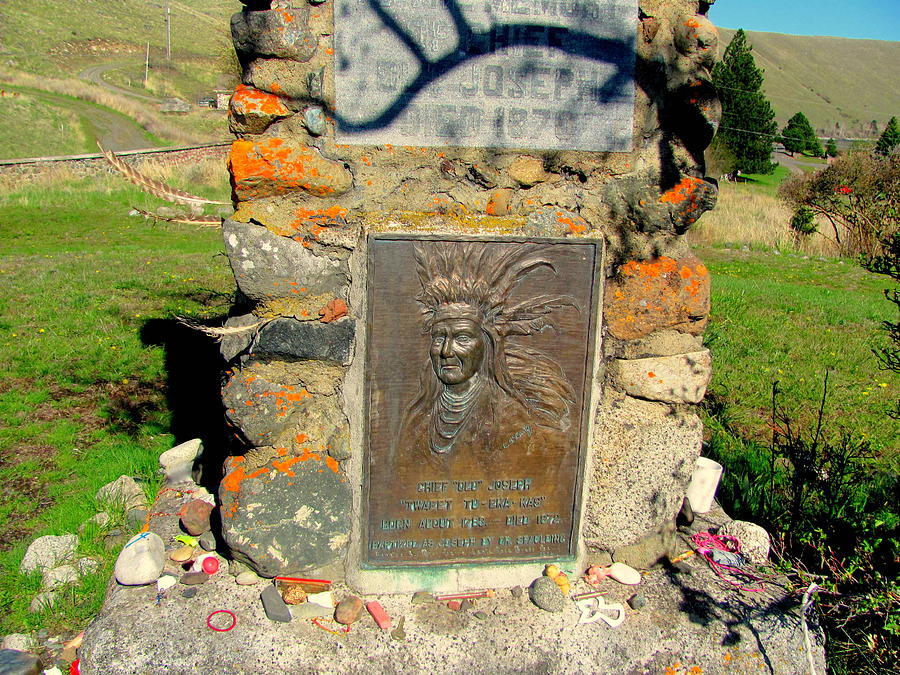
pixel 222 98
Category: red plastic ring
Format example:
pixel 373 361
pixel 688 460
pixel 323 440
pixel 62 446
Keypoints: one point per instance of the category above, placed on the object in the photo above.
pixel 222 611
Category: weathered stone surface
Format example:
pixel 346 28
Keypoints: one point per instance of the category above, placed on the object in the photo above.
pixel 323 427
pixel 124 492
pixel 315 120
pixel 48 551
pixel 550 221
pixel 285 78
pixel 178 462
pixel 236 343
pixel 13 662
pixel 63 575
pixel 643 456
pixel 655 295
pixel 672 379
pixel 661 343
pixel 348 610
pixel 288 516
pixel 282 33
pixel 268 266
pixel 754 540
pixel 264 167
pixel 291 339
pixel 527 171
pixel 19 642
pixel 141 560
pixel 195 517
pixel 253 110
pixel 263 406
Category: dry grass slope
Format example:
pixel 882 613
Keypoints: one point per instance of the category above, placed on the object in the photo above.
pixel 832 80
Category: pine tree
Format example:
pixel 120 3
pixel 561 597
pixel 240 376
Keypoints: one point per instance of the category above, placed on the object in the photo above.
pixel 889 139
pixel 831 149
pixel 798 135
pixel 748 121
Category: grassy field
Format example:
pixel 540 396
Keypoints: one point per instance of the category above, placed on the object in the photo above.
pixel 87 343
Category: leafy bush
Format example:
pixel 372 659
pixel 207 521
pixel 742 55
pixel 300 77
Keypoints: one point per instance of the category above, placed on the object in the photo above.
pixel 858 195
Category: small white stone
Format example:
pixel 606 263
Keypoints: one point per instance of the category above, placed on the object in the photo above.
pixel 178 462
pixel 754 540
pixel 43 600
pixel 323 599
pixel 165 582
pixel 52 671
pixel 99 520
pixel 247 578
pixel 141 560
pixel 123 492
pixel 624 574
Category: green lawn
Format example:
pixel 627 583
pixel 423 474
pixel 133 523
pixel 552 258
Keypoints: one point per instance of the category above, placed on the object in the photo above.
pixel 86 335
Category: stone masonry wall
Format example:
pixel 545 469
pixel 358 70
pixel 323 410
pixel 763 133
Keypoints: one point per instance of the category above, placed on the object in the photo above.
pixel 303 205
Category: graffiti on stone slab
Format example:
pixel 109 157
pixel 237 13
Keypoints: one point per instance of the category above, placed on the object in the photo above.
pixel 477 357
pixel 543 74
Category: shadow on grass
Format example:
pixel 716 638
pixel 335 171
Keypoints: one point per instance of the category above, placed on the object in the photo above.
pixel 193 369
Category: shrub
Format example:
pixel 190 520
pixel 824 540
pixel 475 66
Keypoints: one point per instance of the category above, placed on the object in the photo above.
pixel 858 195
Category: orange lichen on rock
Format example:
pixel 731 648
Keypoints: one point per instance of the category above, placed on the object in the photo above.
pixel 651 295
pixel 682 192
pixel 333 310
pixel 271 166
pixel 251 101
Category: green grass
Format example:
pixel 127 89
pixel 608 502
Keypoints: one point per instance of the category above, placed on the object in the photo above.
pixel 786 318
pixel 83 394
pixel 39 126
pixel 764 182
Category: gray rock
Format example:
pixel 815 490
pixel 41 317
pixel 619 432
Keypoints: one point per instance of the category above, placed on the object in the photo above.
pixel 754 540
pixel 135 518
pixel 315 121
pixel 282 33
pixel 189 592
pixel 19 642
pixel 549 221
pixel 194 578
pixel 307 340
pixel 178 462
pixel 236 343
pixel 546 594
pixel 637 601
pixel 274 605
pixel 14 662
pixel 309 610
pixel 124 492
pixel 267 266
pixel 659 343
pixel 287 522
pixel 48 552
pixel 671 379
pixel 207 541
pixel 141 560
pixel 68 574
pixel 42 601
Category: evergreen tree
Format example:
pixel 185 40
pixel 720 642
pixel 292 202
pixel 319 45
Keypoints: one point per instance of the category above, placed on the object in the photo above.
pixel 831 149
pixel 748 121
pixel 889 139
pixel 798 135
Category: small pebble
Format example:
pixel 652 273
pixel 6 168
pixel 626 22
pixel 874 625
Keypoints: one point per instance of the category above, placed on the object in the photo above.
pixel 182 554
pixel 467 604
pixel 207 542
pixel 545 594
pixel 480 615
pixel 310 610
pixel 247 578
pixel 274 605
pixel 194 578
pixel 624 574
pixel 516 592
pixel 348 610
pixel 455 605
pixel 189 592
pixel 637 601
pixel 293 594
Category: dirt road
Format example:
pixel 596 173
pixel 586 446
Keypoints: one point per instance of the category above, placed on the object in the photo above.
pixel 95 74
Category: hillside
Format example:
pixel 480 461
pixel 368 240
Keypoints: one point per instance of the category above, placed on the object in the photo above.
pixel 834 81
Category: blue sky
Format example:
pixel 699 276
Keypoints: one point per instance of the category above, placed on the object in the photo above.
pixel 869 19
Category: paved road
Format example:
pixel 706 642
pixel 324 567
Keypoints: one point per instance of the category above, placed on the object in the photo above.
pixel 95 74
pixel 795 166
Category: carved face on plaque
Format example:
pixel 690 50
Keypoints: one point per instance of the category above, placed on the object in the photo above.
pixel 457 350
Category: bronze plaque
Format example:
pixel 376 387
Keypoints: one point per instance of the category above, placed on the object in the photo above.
pixel 478 357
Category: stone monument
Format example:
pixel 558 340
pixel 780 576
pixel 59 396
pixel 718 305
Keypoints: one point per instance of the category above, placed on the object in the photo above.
pixel 468 328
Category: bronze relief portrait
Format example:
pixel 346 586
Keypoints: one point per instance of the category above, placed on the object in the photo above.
pixel 478 352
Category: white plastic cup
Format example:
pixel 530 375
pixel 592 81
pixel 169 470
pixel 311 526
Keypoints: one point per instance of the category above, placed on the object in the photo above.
pixel 704 483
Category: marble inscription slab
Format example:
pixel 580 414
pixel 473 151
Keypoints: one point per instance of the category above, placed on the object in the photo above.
pixel 542 74
pixel 477 359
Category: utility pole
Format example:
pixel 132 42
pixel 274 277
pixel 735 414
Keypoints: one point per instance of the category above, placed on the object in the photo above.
pixel 147 65
pixel 168 33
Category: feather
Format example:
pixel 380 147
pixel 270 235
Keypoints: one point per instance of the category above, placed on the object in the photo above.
pixel 219 333
pixel 204 221
pixel 154 187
